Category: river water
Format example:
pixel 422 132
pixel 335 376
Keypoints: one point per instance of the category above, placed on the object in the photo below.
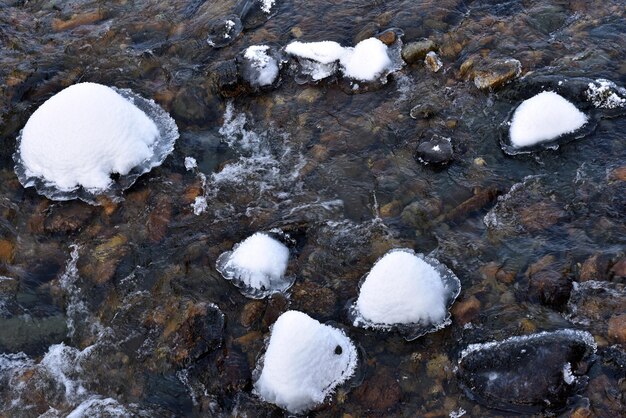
pixel 118 308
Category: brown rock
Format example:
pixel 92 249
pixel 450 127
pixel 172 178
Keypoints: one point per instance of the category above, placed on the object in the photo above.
pixel 313 298
pixel 541 215
pixel 251 312
pixel 466 310
pixel 617 328
pixel 618 174
pixel 619 268
pixel 379 392
pixel 581 413
pixel 77 20
pixel 439 367
pixel 7 251
pixel 387 37
pixel 494 74
pixel 68 217
pixel 159 219
pixel 276 305
pixel 550 287
pixel 594 268
pixel 477 202
pixel 391 209
pixel 433 62
pixel 414 52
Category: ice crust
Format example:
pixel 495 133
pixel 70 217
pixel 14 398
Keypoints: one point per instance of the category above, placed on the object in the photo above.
pixel 75 141
pixel 406 290
pixel 257 265
pixel 304 362
pixel 367 61
pixel 544 117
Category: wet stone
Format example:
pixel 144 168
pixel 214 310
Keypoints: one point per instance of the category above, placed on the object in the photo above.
pixel 466 310
pixel 225 78
pixel 541 215
pixel 436 151
pixel 595 267
pixel 527 374
pixel 494 74
pixel 223 32
pixel 617 329
pixel 421 212
pixel 255 13
pixel 433 62
pixel 551 288
pixel 414 52
pixel 7 251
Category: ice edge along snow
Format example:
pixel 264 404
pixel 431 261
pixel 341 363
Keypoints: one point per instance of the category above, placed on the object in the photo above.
pixel 585 336
pixel 257 266
pixel 76 140
pixel 303 363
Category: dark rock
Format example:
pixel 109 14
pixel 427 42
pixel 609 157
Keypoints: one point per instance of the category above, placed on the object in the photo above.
pixel 246 405
pixel 437 151
pixel 595 268
pixel 223 32
pixel 527 374
pixel 551 288
pixel 253 13
pixel 414 52
pixel 225 78
pixel 252 312
pixel 200 332
pixel 276 305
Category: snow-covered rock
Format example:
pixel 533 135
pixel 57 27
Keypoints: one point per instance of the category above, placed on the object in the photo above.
pixel 304 362
pixel 366 61
pixel 260 66
pixel 369 60
pixel 406 291
pixel 542 118
pixel 223 32
pixel 80 138
pixel 257 265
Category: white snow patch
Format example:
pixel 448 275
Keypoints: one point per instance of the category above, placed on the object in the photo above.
pixel 190 163
pixel 84 133
pixel 367 61
pixel 568 376
pixel 304 362
pixel 229 25
pixel 402 288
pixel 259 263
pixel 266 5
pixel 199 205
pixel 544 117
pixel 606 94
pixel 266 66
pixel 458 413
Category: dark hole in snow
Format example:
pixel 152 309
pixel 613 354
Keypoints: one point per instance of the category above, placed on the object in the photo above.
pixel 338 350
pixel 114 176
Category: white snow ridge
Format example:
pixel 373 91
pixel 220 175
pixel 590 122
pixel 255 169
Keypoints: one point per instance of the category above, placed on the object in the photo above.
pixel 406 291
pixel 544 117
pixel 257 266
pixel 87 132
pixel 304 362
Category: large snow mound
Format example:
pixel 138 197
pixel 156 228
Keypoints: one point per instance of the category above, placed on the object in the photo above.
pixel 304 362
pixel 257 265
pixel 407 290
pixel 88 132
pixel 544 117
pixel 369 60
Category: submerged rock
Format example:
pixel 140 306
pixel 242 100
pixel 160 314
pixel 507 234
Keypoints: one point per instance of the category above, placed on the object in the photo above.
pixel 304 362
pixel 529 373
pixel 433 62
pixel 255 13
pixel 259 66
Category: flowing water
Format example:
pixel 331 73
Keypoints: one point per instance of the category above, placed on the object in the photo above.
pixel 118 310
